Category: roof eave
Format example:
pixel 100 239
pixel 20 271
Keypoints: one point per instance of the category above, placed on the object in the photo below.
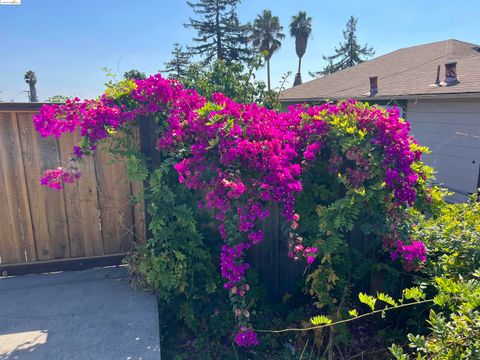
pixel 470 95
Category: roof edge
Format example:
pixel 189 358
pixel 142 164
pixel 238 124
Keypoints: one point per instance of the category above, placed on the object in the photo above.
pixel 472 95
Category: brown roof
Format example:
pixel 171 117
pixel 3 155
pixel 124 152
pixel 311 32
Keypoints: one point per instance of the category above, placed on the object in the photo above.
pixel 403 73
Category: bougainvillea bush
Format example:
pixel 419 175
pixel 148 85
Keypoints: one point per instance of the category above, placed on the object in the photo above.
pixel 338 169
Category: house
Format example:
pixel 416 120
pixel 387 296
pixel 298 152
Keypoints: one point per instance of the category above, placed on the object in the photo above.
pixel 437 88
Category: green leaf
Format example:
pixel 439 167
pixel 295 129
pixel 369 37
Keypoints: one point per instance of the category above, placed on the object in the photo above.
pixel 213 142
pixel 397 351
pixel 368 300
pixel 320 320
pixel 353 313
pixel 414 293
pixel 441 299
pixel 386 299
pixel 476 273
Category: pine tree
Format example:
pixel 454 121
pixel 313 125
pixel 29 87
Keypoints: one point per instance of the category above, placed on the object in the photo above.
pixel 178 66
pixel 220 36
pixel 267 36
pixel 300 29
pixel 349 53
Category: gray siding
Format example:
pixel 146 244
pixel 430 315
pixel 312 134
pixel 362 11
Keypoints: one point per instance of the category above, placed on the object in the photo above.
pixel 451 129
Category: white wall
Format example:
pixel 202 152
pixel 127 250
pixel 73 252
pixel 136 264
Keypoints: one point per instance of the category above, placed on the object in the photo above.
pixel 451 129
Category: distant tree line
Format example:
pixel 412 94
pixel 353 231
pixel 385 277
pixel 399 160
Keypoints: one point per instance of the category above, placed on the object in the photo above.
pixel 221 37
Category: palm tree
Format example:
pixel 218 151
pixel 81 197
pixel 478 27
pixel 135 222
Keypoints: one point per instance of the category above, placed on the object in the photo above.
pixel 300 29
pixel 267 35
pixel 31 80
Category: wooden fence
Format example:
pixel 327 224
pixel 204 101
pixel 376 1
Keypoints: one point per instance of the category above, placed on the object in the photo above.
pixel 92 218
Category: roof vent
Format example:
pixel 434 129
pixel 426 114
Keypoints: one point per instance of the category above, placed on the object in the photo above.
pixel 451 73
pixel 373 85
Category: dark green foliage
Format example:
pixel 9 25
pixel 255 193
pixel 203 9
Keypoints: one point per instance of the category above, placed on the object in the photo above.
pixel 178 263
pixel 229 79
pixel 178 66
pixel 134 75
pixel 455 329
pixel 452 239
pixel 348 53
pixel 220 35
pixel 176 246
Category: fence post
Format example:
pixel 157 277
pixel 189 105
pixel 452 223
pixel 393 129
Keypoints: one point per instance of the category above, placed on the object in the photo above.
pixel 148 133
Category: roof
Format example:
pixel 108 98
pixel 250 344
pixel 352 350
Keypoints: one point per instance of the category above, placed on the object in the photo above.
pixel 404 73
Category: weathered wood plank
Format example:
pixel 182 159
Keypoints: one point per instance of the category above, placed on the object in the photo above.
pixel 17 242
pixel 41 224
pixel 81 203
pixel 47 207
pixel 116 210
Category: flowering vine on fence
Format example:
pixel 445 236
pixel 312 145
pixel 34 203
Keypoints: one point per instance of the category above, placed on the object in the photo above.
pixel 244 156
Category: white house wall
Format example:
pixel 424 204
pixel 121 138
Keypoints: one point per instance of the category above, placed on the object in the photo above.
pixel 451 129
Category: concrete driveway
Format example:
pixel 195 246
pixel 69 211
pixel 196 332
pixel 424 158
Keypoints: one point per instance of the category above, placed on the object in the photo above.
pixel 90 314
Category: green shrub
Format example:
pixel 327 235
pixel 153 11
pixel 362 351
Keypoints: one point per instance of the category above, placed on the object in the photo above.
pixel 452 239
pixel 455 329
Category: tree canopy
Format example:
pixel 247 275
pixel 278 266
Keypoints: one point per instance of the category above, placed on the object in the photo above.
pixel 267 37
pixel 349 52
pixel 134 75
pixel 220 35
pixel 300 29
pixel 177 67
pixel 31 80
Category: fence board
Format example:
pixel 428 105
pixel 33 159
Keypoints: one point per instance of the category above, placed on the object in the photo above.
pixel 18 245
pixel 116 211
pixel 81 202
pixel 47 208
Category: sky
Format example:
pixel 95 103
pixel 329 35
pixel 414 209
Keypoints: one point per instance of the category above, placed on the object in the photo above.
pixel 68 42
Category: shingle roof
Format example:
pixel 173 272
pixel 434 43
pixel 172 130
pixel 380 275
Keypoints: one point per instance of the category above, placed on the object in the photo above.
pixel 403 73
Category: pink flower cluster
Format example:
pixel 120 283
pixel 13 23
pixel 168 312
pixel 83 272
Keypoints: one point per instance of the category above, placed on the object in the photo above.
pixel 57 177
pixel 233 270
pixel 95 120
pixel 246 337
pixel 392 134
pixel 412 254
pixel 296 249
pixel 244 157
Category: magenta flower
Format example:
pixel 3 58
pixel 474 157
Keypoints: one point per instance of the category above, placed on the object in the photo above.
pixel 246 337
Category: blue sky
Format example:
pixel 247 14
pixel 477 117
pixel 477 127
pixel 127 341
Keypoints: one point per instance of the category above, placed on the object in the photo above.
pixel 68 42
